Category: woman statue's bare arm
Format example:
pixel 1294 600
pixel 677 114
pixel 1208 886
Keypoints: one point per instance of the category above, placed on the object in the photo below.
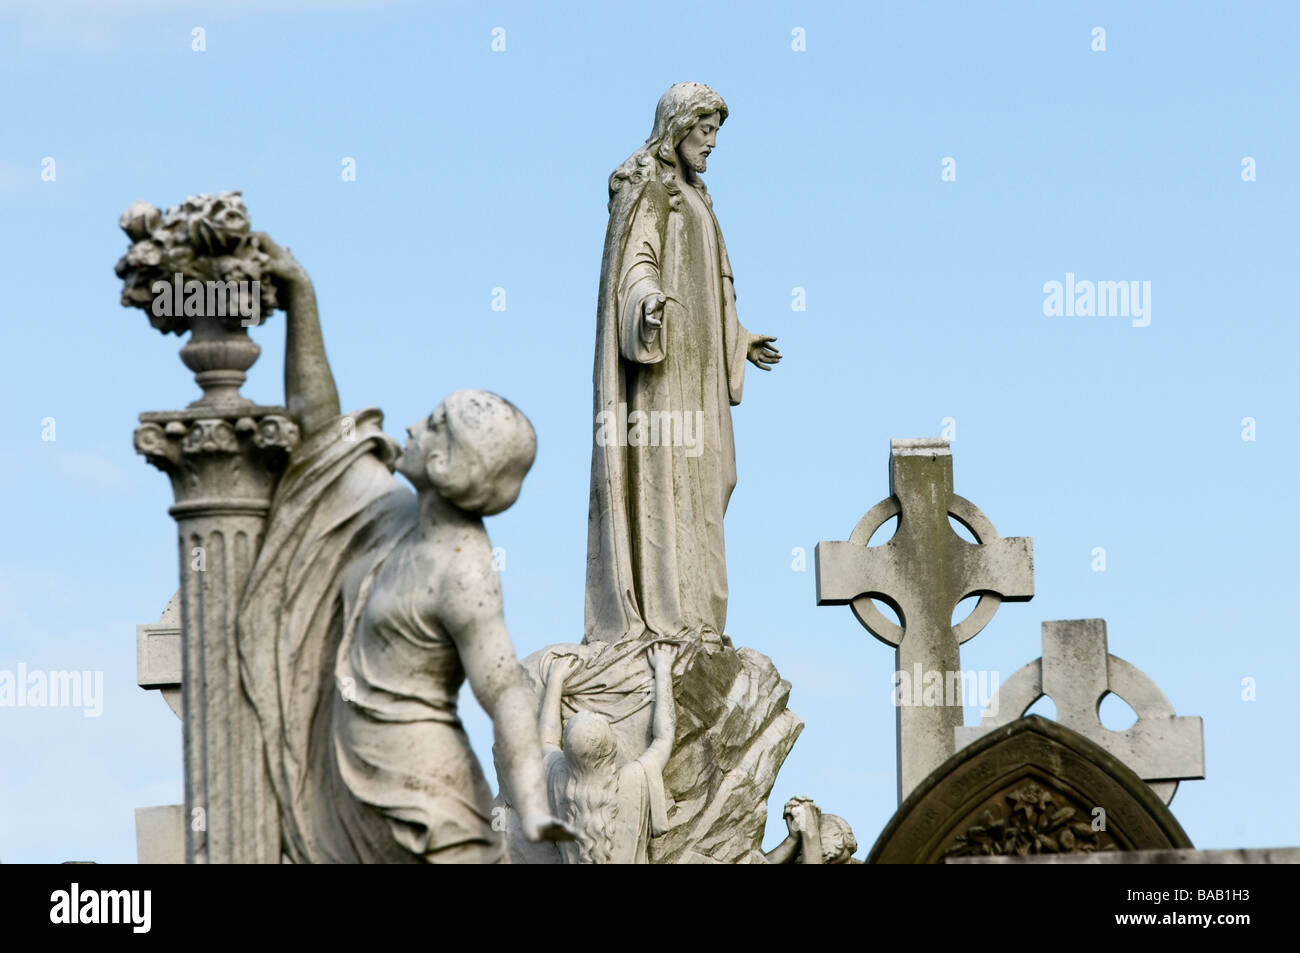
pixel 309 389
pixel 470 611
pixel 664 724
pixel 548 720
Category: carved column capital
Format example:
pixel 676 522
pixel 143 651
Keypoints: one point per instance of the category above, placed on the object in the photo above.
pixel 218 463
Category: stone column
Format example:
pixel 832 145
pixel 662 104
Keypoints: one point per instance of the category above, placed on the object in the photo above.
pixel 223 455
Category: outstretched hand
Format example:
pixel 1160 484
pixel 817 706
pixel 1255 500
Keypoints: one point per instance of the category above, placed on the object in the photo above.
pixel 761 353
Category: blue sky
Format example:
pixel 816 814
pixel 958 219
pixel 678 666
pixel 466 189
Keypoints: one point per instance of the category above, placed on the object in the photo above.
pixel 479 169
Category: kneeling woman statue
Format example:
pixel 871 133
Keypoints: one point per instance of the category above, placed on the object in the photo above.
pixel 371 605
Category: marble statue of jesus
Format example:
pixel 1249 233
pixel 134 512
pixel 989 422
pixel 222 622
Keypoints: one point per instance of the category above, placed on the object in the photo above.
pixel 670 353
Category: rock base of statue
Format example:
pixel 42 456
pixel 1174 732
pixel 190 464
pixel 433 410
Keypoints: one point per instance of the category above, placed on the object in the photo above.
pixel 733 734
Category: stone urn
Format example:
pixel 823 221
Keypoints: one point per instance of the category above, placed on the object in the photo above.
pixel 219 355
pixel 199 267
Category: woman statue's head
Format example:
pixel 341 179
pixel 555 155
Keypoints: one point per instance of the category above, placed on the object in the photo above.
pixel 473 450
pixel 589 745
pixel 838 842
pixel 590 796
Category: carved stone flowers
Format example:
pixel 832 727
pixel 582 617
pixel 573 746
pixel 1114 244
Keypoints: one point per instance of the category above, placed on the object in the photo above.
pixel 206 239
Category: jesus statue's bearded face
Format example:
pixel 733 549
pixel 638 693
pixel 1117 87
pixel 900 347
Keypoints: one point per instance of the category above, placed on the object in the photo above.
pixel 694 149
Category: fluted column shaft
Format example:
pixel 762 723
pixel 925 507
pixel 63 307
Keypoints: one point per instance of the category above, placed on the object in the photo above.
pixel 223 464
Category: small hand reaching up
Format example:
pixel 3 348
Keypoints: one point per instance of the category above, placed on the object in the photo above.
pixel 561 669
pixel 661 656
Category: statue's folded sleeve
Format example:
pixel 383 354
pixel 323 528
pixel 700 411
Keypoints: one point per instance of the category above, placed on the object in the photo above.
pixel 640 278
pixel 734 336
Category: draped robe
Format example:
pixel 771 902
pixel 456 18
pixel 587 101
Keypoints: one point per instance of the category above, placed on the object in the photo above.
pixel 663 459
pixel 354 687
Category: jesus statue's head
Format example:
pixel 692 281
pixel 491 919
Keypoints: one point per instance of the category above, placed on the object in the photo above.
pixel 683 112
pixel 693 151
pixel 686 123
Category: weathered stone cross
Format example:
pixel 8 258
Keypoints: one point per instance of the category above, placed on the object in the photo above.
pixel 922 573
pixel 1077 671
pixel 160 831
pixel 158 655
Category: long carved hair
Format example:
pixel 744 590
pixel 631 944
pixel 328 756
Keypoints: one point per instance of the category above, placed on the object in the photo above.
pixel 590 794
pixel 679 109
pixel 838 842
